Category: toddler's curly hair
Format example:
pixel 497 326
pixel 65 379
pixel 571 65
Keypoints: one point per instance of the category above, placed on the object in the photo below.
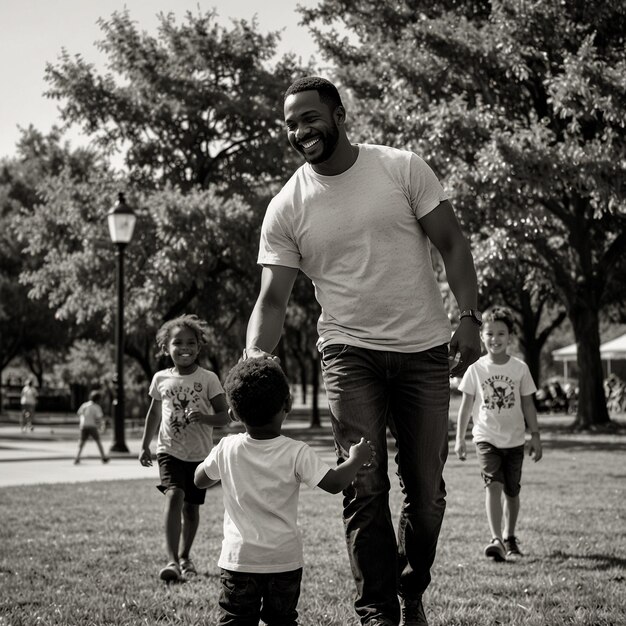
pixel 499 314
pixel 197 326
pixel 256 389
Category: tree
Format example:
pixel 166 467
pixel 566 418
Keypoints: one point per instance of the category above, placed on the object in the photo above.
pixel 196 105
pixel 522 107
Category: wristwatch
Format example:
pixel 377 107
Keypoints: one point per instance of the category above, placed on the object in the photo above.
pixel 474 314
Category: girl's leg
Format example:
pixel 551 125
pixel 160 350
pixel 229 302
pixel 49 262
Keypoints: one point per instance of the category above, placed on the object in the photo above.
pixel 173 507
pixel 511 512
pixel 103 456
pixel 191 521
pixel 493 505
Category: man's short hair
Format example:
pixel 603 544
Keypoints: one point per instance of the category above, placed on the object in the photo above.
pixel 256 389
pixel 327 91
pixel 499 314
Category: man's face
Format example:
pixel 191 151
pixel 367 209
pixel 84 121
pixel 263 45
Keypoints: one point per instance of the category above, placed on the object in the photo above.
pixel 311 128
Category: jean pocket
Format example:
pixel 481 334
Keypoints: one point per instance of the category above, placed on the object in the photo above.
pixel 331 353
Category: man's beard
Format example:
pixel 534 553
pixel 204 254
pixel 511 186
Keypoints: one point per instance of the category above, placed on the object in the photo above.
pixel 330 140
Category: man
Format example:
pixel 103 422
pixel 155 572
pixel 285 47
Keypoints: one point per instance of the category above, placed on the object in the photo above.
pixel 357 220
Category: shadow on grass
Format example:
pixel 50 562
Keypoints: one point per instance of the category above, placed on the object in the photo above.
pixel 587 444
pixel 595 561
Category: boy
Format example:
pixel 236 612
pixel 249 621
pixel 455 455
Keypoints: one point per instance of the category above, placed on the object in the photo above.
pixel 505 389
pixel 91 416
pixel 261 472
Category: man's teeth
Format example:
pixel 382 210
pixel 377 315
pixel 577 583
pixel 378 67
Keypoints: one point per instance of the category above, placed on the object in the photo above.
pixel 308 144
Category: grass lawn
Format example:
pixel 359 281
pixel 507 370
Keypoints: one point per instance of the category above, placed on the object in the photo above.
pixel 88 553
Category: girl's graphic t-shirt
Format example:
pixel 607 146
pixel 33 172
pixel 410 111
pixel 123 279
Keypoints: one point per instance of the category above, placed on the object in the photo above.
pixel 180 394
pixel 498 389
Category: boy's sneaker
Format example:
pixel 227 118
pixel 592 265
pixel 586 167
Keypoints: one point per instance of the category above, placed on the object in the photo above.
pixel 170 572
pixel 188 569
pixel 412 612
pixel 512 549
pixel 495 549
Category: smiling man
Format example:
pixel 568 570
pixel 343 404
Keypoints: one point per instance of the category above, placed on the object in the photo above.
pixel 358 220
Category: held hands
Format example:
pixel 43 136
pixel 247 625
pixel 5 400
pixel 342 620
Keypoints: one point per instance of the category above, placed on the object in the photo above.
pixel 460 449
pixel 145 457
pixel 256 353
pixel 362 452
pixel 466 343
pixel 535 451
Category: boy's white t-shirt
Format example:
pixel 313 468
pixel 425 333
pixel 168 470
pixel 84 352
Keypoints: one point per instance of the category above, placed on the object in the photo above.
pixel 185 440
pixel 90 413
pixel 261 483
pixel 357 237
pixel 498 390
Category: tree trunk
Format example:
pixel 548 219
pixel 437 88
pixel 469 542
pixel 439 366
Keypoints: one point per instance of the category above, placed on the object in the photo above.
pixel 592 410
pixel 315 388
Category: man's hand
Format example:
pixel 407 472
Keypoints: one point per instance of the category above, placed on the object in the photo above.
pixel 466 343
pixel 145 457
pixel 256 353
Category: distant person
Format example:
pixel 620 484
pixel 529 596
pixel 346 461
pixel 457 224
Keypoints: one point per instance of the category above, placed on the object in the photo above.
pixel 261 472
pixel 91 416
pixel 187 401
pixel 28 403
pixel 359 220
pixel 504 388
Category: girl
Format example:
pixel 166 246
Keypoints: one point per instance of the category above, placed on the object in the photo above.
pixel 187 401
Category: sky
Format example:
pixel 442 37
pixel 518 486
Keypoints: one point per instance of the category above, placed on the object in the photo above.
pixel 33 33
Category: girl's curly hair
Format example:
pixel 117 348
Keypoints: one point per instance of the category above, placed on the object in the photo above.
pixel 499 314
pixel 192 322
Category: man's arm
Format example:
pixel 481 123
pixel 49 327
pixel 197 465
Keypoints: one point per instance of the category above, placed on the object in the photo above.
pixel 268 316
pixel 443 229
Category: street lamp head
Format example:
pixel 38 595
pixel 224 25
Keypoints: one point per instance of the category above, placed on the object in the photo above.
pixel 121 221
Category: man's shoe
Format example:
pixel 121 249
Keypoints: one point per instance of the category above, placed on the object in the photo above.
pixel 495 550
pixel 412 611
pixel 512 549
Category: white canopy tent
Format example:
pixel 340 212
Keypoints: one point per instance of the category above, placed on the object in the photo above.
pixel 613 350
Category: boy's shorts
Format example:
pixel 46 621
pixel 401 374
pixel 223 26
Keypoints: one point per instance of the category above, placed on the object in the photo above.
pixel 501 465
pixel 176 473
pixel 89 431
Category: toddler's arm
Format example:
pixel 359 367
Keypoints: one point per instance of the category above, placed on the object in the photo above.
pixel 465 412
pixel 338 479
pixel 530 415
pixel 200 478
pixel 153 419
pixel 219 418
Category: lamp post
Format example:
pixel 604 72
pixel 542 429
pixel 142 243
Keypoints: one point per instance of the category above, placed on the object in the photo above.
pixel 121 225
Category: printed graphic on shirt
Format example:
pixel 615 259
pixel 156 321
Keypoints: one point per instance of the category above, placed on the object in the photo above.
pixel 498 393
pixel 184 399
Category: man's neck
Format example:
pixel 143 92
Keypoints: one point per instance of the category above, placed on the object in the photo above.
pixel 341 160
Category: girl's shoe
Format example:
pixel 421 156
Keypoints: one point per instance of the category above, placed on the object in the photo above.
pixel 512 549
pixel 188 569
pixel 496 550
pixel 170 572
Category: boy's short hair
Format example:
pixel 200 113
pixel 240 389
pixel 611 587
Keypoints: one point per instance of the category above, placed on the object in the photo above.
pixel 95 396
pixel 327 91
pixel 256 389
pixel 499 314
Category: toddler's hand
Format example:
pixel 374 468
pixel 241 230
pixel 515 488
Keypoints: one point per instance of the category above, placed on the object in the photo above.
pixel 145 457
pixel 460 450
pixel 362 451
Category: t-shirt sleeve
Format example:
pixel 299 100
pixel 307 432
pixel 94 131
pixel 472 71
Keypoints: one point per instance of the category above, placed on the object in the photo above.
pixel 467 384
pixel 153 391
pixel 210 465
pixel 425 190
pixel 214 386
pixel 277 245
pixel 527 384
pixel 310 468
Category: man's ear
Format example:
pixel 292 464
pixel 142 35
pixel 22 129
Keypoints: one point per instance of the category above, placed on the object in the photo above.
pixel 288 403
pixel 339 115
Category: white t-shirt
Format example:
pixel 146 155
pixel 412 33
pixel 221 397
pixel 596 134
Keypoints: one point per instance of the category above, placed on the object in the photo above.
pixel 177 436
pixel 357 237
pixel 261 483
pixel 29 395
pixel 90 414
pixel 498 389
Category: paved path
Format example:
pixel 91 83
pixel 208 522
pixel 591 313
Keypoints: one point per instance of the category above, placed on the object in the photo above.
pixel 46 455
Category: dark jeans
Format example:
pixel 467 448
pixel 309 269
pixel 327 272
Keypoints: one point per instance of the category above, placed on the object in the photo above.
pixel 368 391
pixel 246 598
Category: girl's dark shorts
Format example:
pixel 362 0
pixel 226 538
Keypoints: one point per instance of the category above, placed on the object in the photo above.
pixel 501 465
pixel 175 473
